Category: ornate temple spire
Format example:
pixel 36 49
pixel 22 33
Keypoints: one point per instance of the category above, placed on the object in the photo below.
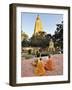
pixel 38 25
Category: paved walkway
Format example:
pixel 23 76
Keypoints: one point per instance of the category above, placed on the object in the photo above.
pixel 27 70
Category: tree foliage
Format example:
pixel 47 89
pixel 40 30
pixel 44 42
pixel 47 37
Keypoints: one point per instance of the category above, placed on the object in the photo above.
pixel 24 39
pixel 24 36
pixel 58 36
pixel 41 39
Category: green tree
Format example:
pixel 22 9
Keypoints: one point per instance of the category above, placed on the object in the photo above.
pixel 37 39
pixel 24 36
pixel 40 39
pixel 24 39
pixel 58 36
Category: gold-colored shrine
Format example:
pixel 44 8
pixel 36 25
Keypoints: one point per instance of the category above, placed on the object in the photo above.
pixel 38 25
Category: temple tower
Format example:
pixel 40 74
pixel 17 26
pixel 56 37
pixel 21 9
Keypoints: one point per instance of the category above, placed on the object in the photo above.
pixel 38 25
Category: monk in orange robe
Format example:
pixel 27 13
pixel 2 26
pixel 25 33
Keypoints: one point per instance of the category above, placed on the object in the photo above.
pixel 39 70
pixel 49 64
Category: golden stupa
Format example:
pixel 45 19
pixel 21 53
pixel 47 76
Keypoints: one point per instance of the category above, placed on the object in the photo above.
pixel 38 25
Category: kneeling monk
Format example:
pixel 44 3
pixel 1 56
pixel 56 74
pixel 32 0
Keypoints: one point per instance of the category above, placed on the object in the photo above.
pixel 39 70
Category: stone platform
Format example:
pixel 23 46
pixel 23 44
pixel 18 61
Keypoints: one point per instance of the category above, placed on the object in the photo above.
pixel 27 69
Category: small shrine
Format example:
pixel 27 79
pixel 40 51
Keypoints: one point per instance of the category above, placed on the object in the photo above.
pixel 51 47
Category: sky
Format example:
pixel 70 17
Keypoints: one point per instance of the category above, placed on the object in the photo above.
pixel 49 22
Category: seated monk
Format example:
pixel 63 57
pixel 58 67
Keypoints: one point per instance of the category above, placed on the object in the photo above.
pixel 39 70
pixel 49 64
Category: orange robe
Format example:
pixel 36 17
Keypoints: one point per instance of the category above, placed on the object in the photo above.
pixel 49 65
pixel 39 70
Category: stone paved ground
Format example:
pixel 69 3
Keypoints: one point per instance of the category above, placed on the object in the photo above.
pixel 27 70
